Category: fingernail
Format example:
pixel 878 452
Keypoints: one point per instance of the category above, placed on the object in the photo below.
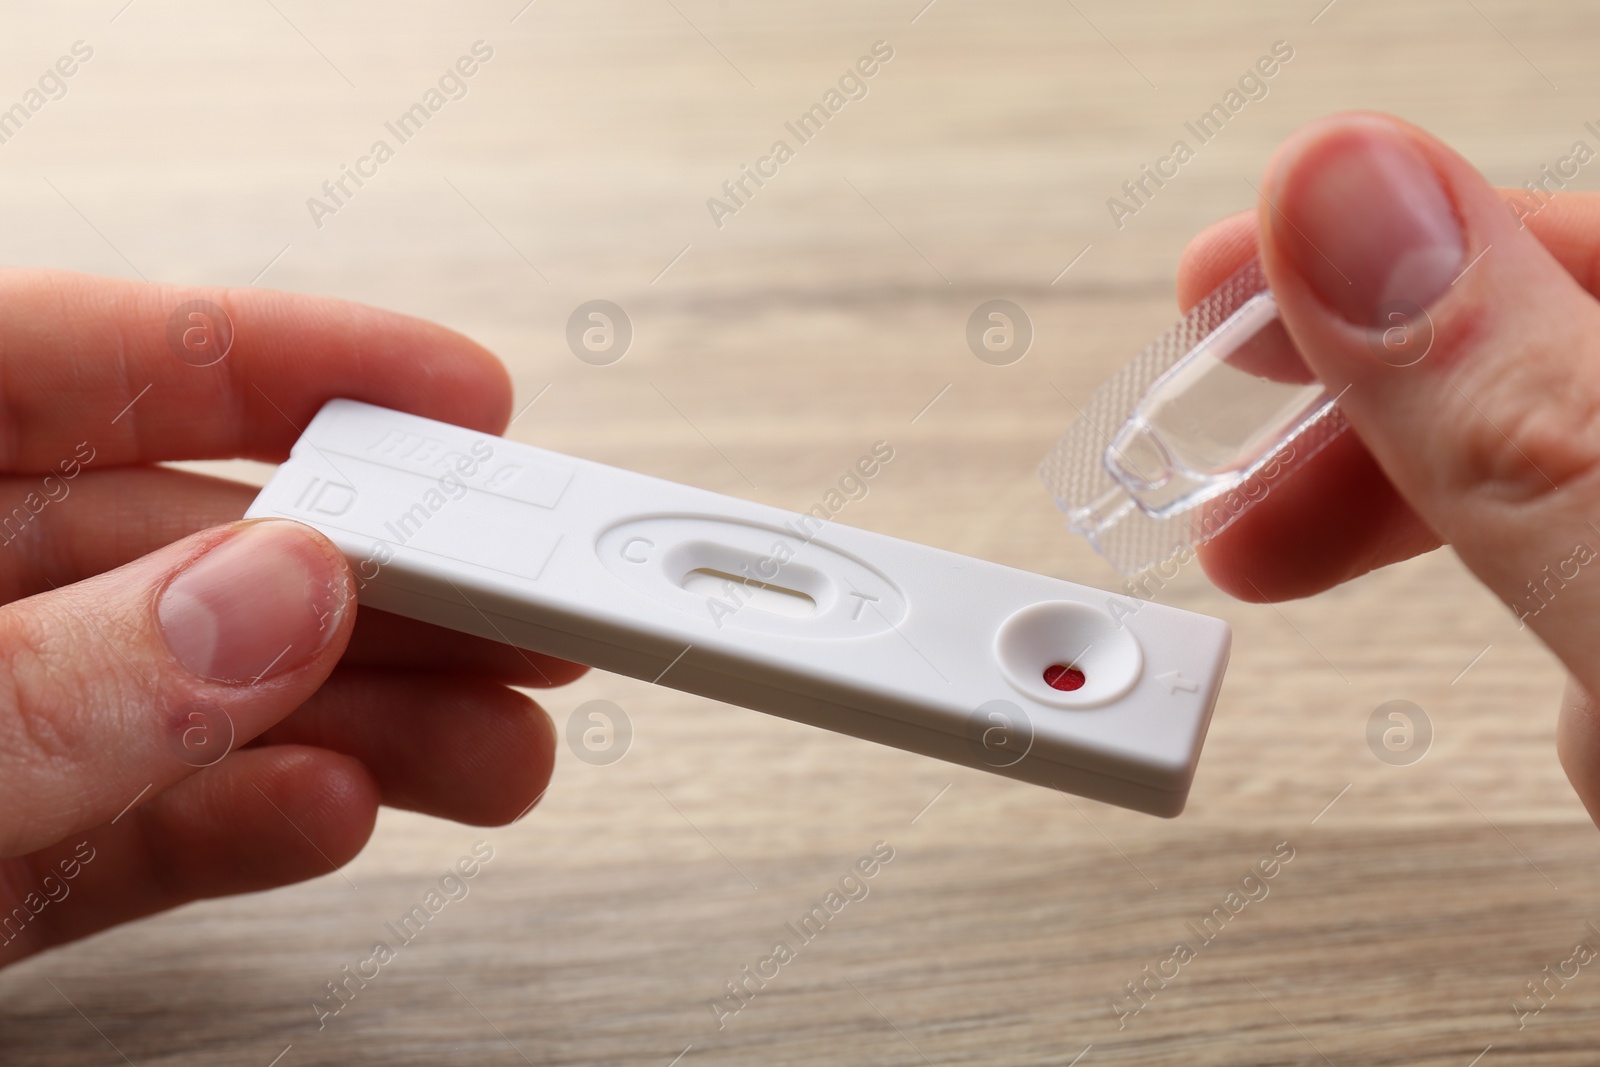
pixel 262 602
pixel 1366 221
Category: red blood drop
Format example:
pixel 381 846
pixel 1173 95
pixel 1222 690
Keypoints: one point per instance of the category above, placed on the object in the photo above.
pixel 1060 676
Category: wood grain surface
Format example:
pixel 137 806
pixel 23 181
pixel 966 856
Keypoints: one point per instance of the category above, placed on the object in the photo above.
pixel 825 314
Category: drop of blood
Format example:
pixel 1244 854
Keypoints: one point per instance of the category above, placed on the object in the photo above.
pixel 1060 676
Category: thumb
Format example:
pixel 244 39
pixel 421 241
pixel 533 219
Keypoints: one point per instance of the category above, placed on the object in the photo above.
pixel 1469 356
pixel 115 687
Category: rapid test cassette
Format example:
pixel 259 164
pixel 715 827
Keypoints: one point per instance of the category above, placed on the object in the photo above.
pixel 1094 693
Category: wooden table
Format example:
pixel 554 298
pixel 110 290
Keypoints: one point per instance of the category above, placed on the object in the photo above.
pixel 827 313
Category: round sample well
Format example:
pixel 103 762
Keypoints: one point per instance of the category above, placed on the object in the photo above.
pixel 1068 654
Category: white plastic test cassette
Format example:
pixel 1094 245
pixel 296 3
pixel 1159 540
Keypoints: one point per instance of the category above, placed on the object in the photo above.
pixel 1094 693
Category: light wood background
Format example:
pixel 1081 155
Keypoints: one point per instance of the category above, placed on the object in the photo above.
pixel 823 317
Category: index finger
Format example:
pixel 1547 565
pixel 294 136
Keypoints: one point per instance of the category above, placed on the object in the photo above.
pixel 145 373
